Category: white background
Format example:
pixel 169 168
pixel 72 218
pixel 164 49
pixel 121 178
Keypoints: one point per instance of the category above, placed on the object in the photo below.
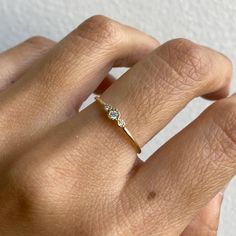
pixel 207 22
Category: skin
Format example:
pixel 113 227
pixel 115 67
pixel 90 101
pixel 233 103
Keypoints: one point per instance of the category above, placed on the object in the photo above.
pixel 65 172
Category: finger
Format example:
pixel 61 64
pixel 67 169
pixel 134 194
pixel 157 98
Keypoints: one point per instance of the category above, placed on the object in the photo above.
pixel 51 90
pixel 105 84
pixel 15 61
pixel 150 94
pixel 167 80
pixel 189 170
pixel 207 221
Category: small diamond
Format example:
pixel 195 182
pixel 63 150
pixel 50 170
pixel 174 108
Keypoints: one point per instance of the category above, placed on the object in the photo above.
pixel 113 114
pixel 121 123
pixel 107 107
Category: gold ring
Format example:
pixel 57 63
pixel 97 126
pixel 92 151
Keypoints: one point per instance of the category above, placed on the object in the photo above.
pixel 114 114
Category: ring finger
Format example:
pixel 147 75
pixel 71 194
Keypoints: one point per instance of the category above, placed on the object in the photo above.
pixel 151 93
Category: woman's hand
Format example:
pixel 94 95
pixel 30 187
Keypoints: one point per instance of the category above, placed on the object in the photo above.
pixel 69 173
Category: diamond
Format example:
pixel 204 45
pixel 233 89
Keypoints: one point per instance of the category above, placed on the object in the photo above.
pixel 113 114
pixel 121 123
pixel 107 107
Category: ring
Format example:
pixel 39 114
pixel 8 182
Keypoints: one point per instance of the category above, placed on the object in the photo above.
pixel 114 114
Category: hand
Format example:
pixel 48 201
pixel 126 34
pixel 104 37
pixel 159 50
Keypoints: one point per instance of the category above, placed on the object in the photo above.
pixel 69 173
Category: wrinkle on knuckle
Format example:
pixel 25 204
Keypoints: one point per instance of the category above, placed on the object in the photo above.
pixel 100 30
pixel 223 119
pixel 189 61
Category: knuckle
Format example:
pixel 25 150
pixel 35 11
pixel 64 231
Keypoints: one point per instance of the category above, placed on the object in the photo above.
pixel 39 42
pixel 224 113
pixel 189 60
pixel 34 187
pixel 28 195
pixel 223 117
pixel 100 29
pixel 12 195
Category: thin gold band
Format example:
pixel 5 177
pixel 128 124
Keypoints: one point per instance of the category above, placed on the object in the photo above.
pixel 114 114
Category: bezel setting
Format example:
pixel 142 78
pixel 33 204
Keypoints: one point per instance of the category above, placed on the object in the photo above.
pixel 113 114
